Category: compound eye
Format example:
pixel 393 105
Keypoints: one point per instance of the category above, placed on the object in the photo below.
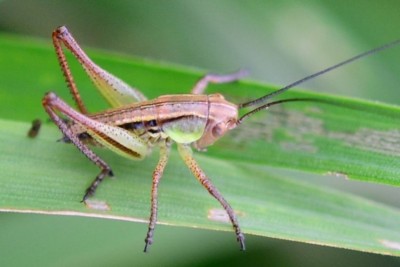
pixel 218 130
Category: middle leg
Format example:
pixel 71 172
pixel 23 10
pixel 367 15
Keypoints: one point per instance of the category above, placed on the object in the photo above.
pixel 157 174
pixel 202 84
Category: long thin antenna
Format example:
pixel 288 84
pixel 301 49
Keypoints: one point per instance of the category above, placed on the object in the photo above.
pixel 287 87
pixel 267 105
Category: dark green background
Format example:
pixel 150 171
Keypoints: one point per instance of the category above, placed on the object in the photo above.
pixel 278 41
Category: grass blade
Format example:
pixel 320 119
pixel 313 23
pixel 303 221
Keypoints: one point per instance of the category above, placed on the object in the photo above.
pixel 357 139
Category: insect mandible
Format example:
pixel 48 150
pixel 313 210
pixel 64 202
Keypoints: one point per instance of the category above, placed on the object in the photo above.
pixel 134 124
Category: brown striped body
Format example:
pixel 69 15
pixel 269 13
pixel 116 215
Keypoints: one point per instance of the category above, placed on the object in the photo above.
pixel 151 119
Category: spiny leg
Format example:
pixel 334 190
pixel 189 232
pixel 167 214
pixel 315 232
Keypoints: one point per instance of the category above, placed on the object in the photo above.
pixel 114 90
pixel 157 174
pixel 93 186
pixel 201 85
pixel 186 153
pixel 57 42
pixel 51 103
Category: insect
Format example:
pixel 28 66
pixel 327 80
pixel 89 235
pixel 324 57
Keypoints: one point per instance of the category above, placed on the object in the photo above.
pixel 134 125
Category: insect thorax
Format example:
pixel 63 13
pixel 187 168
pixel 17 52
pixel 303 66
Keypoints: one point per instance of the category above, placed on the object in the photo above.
pixel 149 131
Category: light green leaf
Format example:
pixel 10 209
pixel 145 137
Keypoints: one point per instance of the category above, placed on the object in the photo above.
pixel 356 138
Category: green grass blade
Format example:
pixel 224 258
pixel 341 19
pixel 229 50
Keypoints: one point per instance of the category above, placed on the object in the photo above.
pixel 358 139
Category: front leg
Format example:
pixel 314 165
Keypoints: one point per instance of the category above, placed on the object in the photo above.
pixel 186 153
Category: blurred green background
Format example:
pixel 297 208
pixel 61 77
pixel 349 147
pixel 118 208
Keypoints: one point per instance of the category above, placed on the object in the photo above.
pixel 278 41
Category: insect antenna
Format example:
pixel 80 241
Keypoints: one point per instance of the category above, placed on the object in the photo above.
pixel 312 76
pixel 267 105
